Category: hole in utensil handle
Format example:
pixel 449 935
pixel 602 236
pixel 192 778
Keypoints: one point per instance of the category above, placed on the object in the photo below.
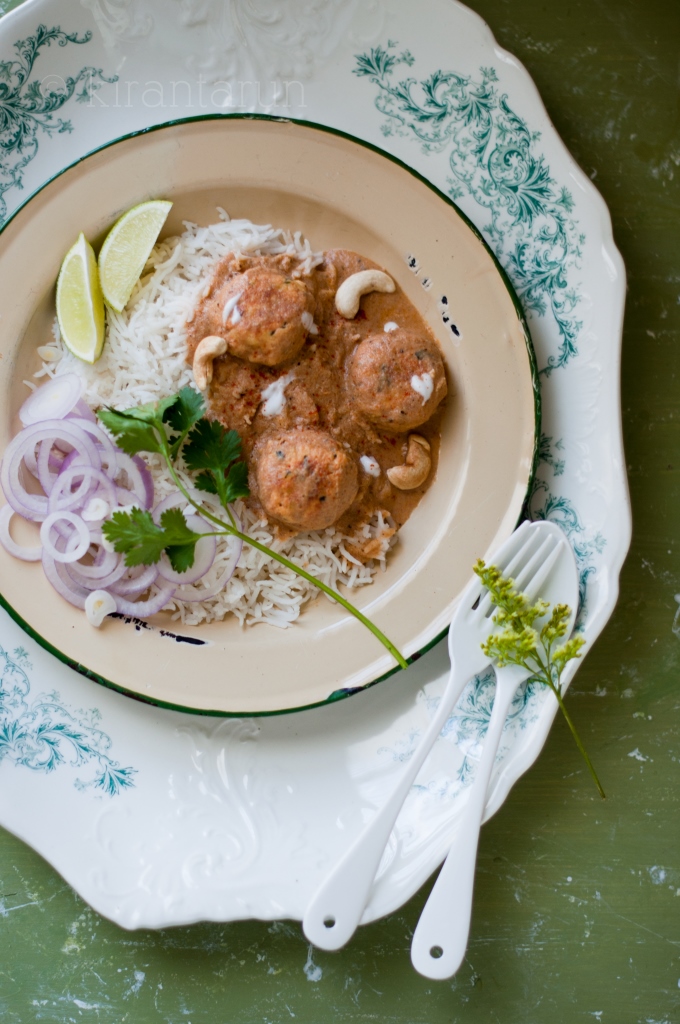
pixel 436 952
pixel 329 922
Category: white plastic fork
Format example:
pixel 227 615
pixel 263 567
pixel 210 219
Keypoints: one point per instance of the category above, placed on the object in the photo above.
pixel 336 907
pixel 441 935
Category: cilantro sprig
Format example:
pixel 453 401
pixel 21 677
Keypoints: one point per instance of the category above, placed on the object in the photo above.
pixel 135 534
pixel 174 427
pixel 539 651
pixel 215 452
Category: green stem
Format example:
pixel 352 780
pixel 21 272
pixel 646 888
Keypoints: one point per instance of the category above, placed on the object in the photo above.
pixel 226 528
pixel 577 739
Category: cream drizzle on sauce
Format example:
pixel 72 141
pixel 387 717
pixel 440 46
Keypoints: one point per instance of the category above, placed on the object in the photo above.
pixel 273 396
pixel 423 385
pixel 370 465
pixel 230 306
pixel 308 322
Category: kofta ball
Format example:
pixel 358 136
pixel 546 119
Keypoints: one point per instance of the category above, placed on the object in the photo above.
pixel 305 478
pixel 263 314
pixel 397 379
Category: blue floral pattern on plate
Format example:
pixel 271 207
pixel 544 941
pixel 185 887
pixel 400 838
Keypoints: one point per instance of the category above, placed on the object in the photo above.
pixel 493 157
pixel 42 733
pixel 27 107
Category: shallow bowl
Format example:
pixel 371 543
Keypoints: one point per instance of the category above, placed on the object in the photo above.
pixel 342 194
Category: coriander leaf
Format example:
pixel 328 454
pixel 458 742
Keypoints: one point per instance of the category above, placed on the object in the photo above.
pixel 153 412
pixel 212 447
pixel 230 487
pixel 142 541
pixel 164 404
pixel 185 411
pixel 180 540
pixel 135 535
pixel 237 483
pixel 206 482
pixel 142 413
pixel 131 434
pixel 181 556
pixel 175 526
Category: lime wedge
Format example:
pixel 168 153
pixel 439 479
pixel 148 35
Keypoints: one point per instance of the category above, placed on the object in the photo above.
pixel 80 306
pixel 126 249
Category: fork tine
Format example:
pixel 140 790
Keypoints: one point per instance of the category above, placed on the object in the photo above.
pixel 532 575
pixel 522 536
pixel 538 557
pixel 544 557
pixel 529 542
pixel 508 567
pixel 533 588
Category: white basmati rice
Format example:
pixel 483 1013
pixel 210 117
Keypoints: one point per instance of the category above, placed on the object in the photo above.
pixel 143 361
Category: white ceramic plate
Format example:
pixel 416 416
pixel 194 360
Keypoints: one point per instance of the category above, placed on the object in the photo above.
pixel 159 818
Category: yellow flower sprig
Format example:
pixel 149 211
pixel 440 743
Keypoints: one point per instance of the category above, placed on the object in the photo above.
pixel 539 651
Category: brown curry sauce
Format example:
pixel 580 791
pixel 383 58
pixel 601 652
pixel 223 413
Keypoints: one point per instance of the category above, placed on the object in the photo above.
pixel 318 396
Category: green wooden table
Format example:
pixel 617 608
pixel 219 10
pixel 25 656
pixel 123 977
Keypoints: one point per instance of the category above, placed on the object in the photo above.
pixel 577 910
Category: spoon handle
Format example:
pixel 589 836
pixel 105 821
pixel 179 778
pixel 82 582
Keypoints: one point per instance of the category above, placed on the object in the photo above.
pixel 441 935
pixel 335 909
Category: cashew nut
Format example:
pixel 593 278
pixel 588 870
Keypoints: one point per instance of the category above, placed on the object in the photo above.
pixel 207 350
pixel 348 295
pixel 416 468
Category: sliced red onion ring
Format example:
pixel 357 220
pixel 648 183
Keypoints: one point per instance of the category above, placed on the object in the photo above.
pixel 91 481
pixel 177 498
pixel 69 460
pixel 58 576
pixel 105 564
pixel 34 506
pixel 82 411
pixel 8 542
pixel 126 497
pixel 76 461
pixel 147 479
pixel 53 400
pixel 55 461
pixel 105 446
pixel 204 556
pixel 97 434
pixel 70 554
pixel 31 462
pixel 139 477
pixel 144 609
pixel 193 593
pixel 45 456
pixel 89 583
pixel 173 500
pixel 137 581
pixel 50 462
